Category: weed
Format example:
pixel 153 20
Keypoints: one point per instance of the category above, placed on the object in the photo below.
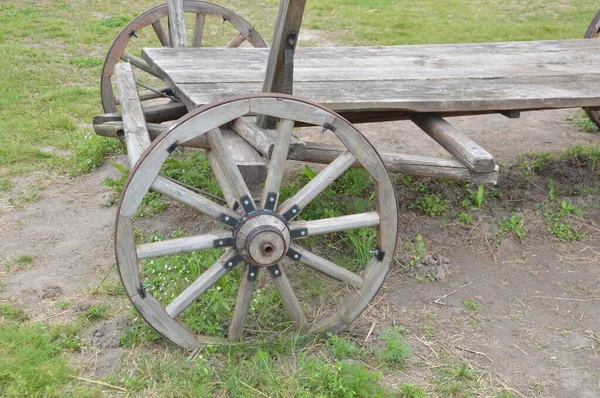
pixel 431 205
pixel 11 313
pixel 111 289
pixel 471 305
pixel 465 218
pixel 24 260
pixel 559 219
pixel 5 184
pixel 456 380
pixel 64 305
pixel 408 390
pixel 342 348
pixel 476 198
pixel 513 224
pixel 428 331
pixel 97 312
pixel 395 350
pixel 419 248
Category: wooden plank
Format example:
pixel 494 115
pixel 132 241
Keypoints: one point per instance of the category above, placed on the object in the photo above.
pixel 284 108
pixel 467 151
pixel 115 130
pixel 137 62
pixel 263 140
pixel 136 135
pixel 252 165
pixel 180 245
pixel 152 114
pixel 199 286
pixel 160 33
pixel 221 180
pixel 420 166
pixel 236 41
pixel 328 268
pixel 176 23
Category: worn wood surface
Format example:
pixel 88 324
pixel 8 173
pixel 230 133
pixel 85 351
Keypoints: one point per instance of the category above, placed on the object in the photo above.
pixel 464 149
pixel 430 78
pixel 263 140
pixel 176 23
pixel 136 134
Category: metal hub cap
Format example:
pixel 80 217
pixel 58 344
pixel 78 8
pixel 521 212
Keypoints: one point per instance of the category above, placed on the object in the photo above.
pixel 262 239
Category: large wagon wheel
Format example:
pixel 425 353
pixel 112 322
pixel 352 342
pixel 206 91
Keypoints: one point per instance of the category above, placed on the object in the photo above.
pixel 151 25
pixel 261 236
pixel 592 33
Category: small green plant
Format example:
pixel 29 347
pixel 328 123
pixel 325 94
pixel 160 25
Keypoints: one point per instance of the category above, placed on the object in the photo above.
pixel 471 305
pixel 111 289
pixel 96 312
pixel 24 260
pixel 342 348
pixel 395 351
pixel 428 331
pixel 431 205
pixel 419 248
pixel 513 224
pixel 465 218
pixel 64 305
pixel 456 380
pixel 476 198
pixel 5 184
pixel 408 390
pixel 11 313
pixel 559 218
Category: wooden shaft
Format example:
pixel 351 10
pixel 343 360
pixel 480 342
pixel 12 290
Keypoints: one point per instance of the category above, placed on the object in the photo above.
pixel 335 224
pixel 198 30
pixel 467 151
pixel 276 166
pixel 242 304
pixel 328 268
pixel 137 62
pixel 290 301
pixel 176 23
pixel 160 33
pixel 179 245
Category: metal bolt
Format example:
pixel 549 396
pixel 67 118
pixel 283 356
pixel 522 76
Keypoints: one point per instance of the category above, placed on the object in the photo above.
pixel 294 211
pixel 246 202
pixel 276 272
pixel 303 233
pixel 252 274
pixel 220 243
pixel 227 218
pixel 230 264
pixel 295 256
pixel 272 199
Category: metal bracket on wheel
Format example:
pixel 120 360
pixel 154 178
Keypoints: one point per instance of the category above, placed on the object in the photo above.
pixel 226 242
pixel 228 220
pixel 232 262
pixel 271 201
pixel 275 271
pixel 293 254
pixel 299 233
pixel 291 213
pixel 247 204
pixel 252 273
pixel 378 253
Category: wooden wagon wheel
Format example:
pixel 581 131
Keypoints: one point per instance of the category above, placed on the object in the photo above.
pixel 261 236
pixel 156 18
pixel 592 33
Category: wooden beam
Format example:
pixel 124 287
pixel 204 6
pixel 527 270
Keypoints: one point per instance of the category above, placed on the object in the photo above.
pixel 152 114
pixel 289 20
pixel 467 151
pixel 263 140
pixel 176 23
pixel 136 135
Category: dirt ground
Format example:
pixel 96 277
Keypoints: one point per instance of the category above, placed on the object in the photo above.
pixel 537 328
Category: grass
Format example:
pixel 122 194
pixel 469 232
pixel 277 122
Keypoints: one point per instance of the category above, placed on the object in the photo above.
pixel 512 224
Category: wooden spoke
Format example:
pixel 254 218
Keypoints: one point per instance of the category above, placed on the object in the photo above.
pixel 192 199
pixel 319 183
pixel 137 62
pixel 236 41
pixel 198 30
pixel 160 33
pixel 328 268
pixel 290 301
pixel 181 245
pixel 242 304
pixel 276 166
pixel 199 286
pixel 176 23
pixel 228 167
pixel 335 224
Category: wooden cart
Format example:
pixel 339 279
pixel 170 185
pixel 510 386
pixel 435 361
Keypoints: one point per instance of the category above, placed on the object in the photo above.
pixel 236 103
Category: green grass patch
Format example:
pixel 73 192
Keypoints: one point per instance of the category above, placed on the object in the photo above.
pixel 8 312
pixel 512 224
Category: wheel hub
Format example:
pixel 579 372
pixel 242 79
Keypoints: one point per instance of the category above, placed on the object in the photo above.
pixel 262 239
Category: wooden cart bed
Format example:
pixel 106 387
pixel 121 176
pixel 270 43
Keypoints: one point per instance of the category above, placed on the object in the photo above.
pixel 379 83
